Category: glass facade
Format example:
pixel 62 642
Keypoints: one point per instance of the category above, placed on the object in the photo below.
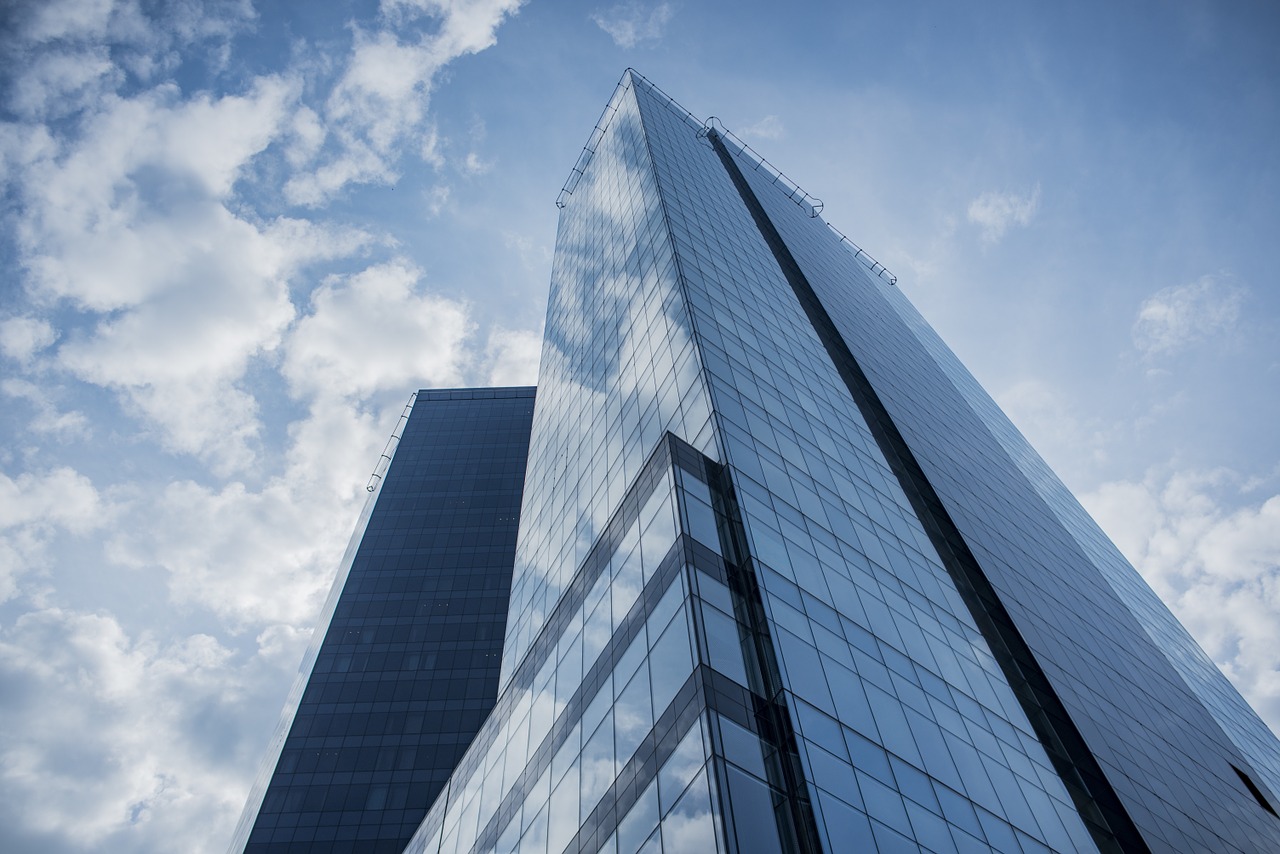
pixel 787 580
pixel 408 668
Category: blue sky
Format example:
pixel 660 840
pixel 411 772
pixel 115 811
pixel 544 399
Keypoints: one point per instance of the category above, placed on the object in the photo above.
pixel 237 236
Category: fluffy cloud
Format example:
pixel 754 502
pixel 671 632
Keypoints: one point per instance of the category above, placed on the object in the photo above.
pixel 34 508
pixel 23 337
pixel 376 330
pixel 48 419
pixel 252 558
pixel 1176 317
pixel 62 82
pixel 131 223
pixel 995 213
pixel 1210 547
pixel 116 215
pixel 73 51
pixel 380 101
pixel 512 356
pixel 154 259
pixel 153 765
pixel 179 355
pixel 58 498
pixel 64 19
pixel 630 24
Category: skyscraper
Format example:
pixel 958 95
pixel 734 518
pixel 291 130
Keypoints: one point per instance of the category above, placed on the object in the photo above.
pixel 788 580
pixel 405 668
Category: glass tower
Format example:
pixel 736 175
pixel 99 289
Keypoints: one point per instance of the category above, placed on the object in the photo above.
pixel 787 579
pixel 393 691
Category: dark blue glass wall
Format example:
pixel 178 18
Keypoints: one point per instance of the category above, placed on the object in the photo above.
pixel 408 669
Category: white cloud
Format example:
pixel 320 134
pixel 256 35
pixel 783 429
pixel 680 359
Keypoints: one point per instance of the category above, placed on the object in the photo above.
pixel 60 498
pixel 283 646
pixel 1210 547
pixel 437 199
pixel 23 337
pixel 381 99
pixel 61 46
pixel 473 165
pixel 67 19
pixel 306 136
pixel 152 764
pixel 633 23
pixel 62 82
pixel 179 355
pixel 429 151
pixel 252 558
pixel 48 419
pixel 994 212
pixel 34 508
pixel 512 357
pixel 1176 317
pixel 376 330
pixel 265 556
pixel 770 127
pixel 131 223
pixel 111 218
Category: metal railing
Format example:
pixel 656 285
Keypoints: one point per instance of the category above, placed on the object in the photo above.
pixel 393 442
pixel 811 204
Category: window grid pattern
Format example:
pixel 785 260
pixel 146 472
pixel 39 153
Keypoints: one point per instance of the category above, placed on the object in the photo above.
pixel 1138 688
pixel 408 668
pixel 618 369
pixel 589 746
pixel 1239 722
pixel 887 677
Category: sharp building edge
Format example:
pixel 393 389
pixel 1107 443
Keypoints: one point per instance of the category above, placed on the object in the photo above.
pixel 786 579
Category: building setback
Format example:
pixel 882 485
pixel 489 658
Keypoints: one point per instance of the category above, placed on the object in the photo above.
pixel 788 580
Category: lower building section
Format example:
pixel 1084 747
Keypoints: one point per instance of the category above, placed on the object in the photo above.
pixel 408 667
pixel 653 713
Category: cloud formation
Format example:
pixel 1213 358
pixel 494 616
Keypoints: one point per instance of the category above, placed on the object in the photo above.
pixel 770 127
pixel 48 420
pixel 227 353
pixel 379 103
pixel 35 507
pixel 132 220
pixel 1177 317
pixel 631 24
pixel 1208 542
pixel 513 356
pixel 23 337
pixel 153 758
pixel 374 331
pixel 995 213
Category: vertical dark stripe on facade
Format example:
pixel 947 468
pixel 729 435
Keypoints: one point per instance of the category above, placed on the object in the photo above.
pixel 797 825
pixel 1103 813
